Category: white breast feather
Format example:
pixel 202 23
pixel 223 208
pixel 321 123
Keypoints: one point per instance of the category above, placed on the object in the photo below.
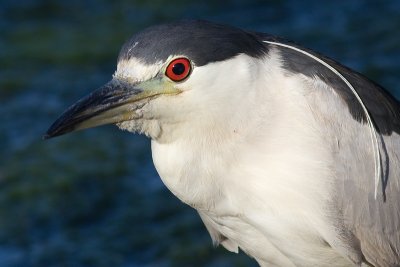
pixel 255 166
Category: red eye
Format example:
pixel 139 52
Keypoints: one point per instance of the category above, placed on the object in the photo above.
pixel 178 69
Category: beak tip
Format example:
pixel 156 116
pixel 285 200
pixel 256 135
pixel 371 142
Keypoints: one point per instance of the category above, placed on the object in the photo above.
pixel 50 133
pixel 53 131
pixel 46 136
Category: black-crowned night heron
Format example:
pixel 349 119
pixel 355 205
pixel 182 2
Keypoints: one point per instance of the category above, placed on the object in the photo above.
pixel 284 153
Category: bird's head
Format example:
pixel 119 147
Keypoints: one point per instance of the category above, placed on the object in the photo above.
pixel 169 74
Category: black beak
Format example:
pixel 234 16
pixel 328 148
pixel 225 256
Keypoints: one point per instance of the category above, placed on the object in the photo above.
pixel 111 103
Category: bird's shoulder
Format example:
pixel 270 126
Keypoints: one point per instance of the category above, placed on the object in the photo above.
pixel 382 106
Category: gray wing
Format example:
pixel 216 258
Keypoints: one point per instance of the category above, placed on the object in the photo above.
pixel 368 224
pixel 369 227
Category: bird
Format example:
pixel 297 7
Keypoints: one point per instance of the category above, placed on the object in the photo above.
pixel 285 153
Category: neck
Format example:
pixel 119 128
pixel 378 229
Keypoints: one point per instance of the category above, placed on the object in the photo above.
pixel 193 156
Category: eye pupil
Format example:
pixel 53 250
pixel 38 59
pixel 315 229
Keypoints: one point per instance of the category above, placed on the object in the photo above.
pixel 178 68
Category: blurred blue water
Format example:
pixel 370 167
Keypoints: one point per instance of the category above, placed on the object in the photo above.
pixel 93 198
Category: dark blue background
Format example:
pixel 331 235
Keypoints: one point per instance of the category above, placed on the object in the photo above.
pixel 93 198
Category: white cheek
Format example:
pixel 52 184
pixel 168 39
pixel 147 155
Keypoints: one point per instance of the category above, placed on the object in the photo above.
pixel 221 82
